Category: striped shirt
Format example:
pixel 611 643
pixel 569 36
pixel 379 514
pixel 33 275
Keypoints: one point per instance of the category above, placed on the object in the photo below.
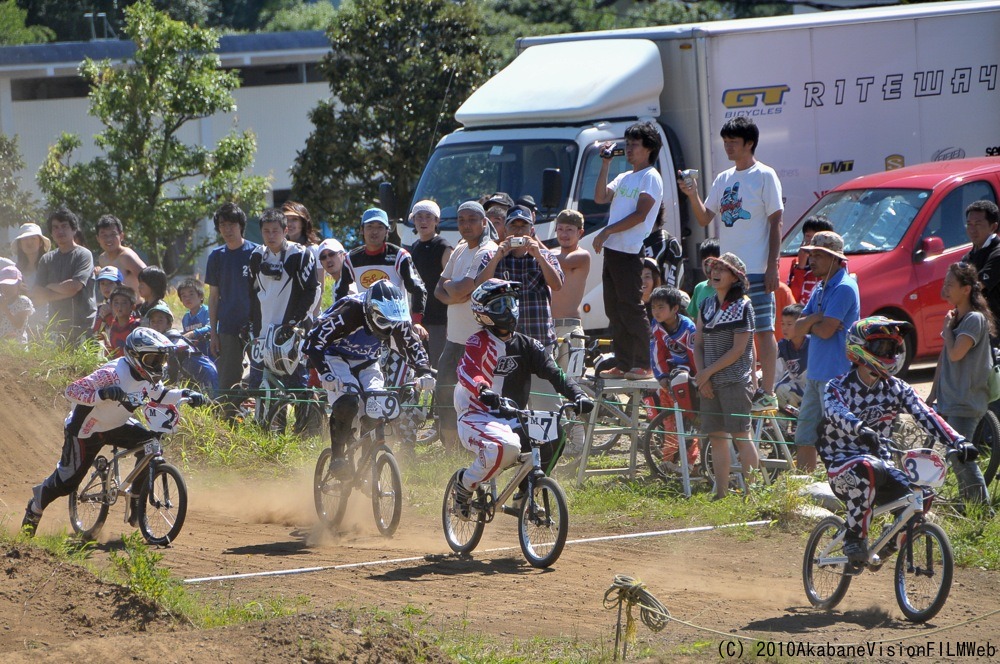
pixel 720 325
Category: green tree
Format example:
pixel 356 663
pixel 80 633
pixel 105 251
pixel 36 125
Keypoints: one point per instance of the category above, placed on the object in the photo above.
pixel 159 186
pixel 298 15
pixel 398 71
pixel 16 205
pixel 14 31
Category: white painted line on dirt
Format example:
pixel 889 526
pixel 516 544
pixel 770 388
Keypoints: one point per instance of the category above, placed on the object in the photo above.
pixel 411 559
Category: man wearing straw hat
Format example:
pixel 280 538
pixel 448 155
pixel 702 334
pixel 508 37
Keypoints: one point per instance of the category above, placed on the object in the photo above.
pixel 832 308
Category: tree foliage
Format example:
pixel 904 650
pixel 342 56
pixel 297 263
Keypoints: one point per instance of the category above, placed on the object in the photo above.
pixel 158 185
pixel 16 205
pixel 398 70
pixel 13 28
pixel 298 15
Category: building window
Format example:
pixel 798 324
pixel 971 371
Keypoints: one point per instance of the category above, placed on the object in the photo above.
pixel 54 87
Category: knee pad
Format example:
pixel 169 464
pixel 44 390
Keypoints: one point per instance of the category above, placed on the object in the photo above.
pixel 682 391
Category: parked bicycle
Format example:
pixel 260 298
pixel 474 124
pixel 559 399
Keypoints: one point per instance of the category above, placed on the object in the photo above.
pixel 160 487
pixel 542 515
pixel 372 468
pixel 924 562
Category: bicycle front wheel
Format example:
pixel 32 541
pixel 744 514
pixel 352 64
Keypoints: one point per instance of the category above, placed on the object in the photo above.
pixel 163 505
pixel 462 533
pixel 387 492
pixel 543 523
pixel 658 437
pixel 987 439
pixel 88 506
pixel 330 492
pixel 924 569
pixel 826 583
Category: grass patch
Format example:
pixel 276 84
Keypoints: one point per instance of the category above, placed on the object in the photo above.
pixel 138 569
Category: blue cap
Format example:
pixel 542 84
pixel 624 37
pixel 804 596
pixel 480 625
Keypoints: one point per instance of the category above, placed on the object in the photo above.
pixel 519 213
pixel 110 273
pixel 375 214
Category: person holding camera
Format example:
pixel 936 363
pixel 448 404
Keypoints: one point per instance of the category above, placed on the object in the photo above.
pixel 635 198
pixel 522 258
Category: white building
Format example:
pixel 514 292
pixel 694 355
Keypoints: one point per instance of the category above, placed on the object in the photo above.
pixel 42 95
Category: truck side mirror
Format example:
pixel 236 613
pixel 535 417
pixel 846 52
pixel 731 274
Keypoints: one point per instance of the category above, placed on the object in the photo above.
pixel 387 199
pixel 552 187
pixel 929 246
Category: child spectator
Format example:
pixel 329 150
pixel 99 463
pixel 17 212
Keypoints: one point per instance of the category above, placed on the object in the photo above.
pixel 724 358
pixel 707 249
pixel 108 278
pixel 186 358
pixel 801 279
pixel 651 280
pixel 196 328
pixel 152 290
pixel 14 307
pixel 793 358
pixel 671 355
pixel 122 321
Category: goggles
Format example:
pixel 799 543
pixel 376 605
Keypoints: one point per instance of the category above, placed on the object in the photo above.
pixel 502 305
pixel 887 347
pixel 153 361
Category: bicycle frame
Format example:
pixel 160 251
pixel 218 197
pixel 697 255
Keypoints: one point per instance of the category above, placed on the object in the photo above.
pixel 912 505
pixel 528 464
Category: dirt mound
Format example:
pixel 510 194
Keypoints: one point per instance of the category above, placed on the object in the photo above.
pixel 55 612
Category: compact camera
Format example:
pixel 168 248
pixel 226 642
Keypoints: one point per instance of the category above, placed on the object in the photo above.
pixel 689 177
pixel 609 152
pixel 518 241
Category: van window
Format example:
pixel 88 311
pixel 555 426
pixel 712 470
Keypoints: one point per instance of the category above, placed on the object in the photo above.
pixel 948 221
pixel 466 171
pixel 869 220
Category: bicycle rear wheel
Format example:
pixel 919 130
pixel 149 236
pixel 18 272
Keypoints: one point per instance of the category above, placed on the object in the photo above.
pixel 543 523
pixel 924 570
pixel 987 439
pixel 163 505
pixel 463 534
pixel 88 505
pixel 825 583
pixel 330 492
pixel 387 492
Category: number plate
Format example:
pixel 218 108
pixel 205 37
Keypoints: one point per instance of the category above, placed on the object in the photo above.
pixel 153 447
pixel 542 426
pixel 924 467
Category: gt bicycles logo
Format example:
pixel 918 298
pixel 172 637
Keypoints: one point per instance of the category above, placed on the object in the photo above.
pixel 769 95
pixel 745 101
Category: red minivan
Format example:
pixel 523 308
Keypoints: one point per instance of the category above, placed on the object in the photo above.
pixel 901 230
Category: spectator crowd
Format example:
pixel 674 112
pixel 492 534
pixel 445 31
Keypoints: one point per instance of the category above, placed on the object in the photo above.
pixel 747 339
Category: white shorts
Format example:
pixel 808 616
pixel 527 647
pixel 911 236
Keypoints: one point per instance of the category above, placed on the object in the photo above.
pixel 352 378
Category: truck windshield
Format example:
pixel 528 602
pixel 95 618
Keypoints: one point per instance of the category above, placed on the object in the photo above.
pixel 869 220
pixel 467 171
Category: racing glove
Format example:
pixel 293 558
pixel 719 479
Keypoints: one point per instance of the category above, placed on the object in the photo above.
pixel 966 452
pixel 195 399
pixel 111 393
pixel 489 398
pixel 868 439
pixel 426 383
pixel 584 405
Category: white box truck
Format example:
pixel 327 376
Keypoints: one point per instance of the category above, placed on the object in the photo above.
pixel 835 95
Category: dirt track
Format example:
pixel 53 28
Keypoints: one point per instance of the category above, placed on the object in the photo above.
pixel 720 581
